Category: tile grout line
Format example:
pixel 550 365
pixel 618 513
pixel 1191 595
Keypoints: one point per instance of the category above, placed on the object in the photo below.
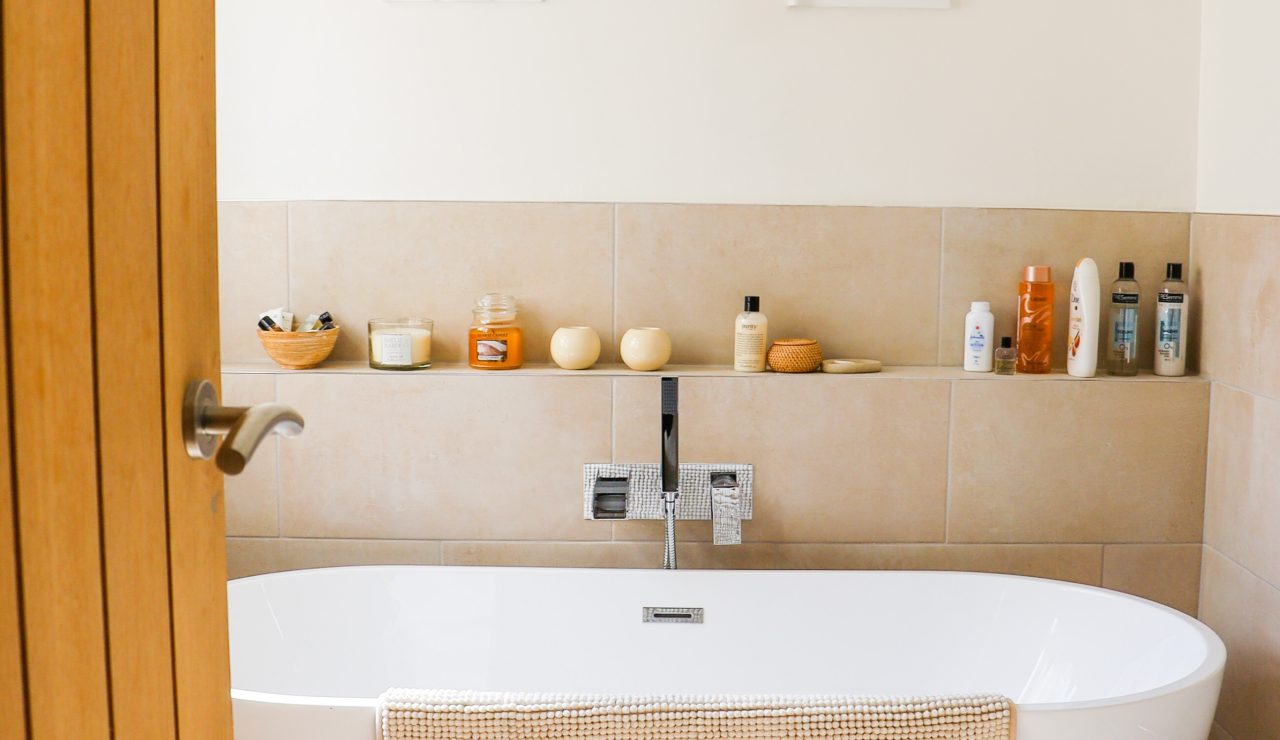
pixel 770 543
pixel 942 245
pixel 951 417
pixel 613 441
pixel 1265 581
pixel 288 256
pixel 279 497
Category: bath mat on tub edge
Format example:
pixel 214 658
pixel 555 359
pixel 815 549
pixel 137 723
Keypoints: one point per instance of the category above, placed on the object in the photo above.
pixel 424 714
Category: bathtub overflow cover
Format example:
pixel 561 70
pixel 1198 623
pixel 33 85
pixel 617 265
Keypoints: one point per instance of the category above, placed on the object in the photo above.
pixel 673 615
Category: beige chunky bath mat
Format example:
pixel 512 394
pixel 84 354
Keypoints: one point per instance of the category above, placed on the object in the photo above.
pixel 409 714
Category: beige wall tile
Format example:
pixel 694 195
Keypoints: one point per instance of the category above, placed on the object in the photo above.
pixel 253 496
pixel 984 251
pixel 254 556
pixel 1237 279
pixel 863 281
pixel 1245 612
pixel 416 455
pixel 368 259
pixel 837 458
pixel 253 272
pixel 1242 500
pixel 1077 563
pixel 1078 461
pixel 555 554
pixel 1169 574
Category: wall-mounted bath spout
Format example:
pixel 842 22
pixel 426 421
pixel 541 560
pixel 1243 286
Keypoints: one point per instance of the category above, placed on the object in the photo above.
pixel 204 421
pixel 670 467
pixel 668 490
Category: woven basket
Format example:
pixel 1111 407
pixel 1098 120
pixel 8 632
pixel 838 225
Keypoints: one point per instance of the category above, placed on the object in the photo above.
pixel 795 356
pixel 298 350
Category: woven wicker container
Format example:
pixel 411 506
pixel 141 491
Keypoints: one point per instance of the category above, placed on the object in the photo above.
pixel 795 356
pixel 298 350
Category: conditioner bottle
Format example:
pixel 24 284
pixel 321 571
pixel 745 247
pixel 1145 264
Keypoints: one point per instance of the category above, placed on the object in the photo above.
pixel 1171 323
pixel 1122 349
pixel 1083 321
pixel 1035 320
pixel 750 333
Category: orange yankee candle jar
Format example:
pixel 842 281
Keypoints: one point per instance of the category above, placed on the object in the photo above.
pixel 495 341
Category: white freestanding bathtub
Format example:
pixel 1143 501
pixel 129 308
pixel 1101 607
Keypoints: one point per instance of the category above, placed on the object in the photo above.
pixel 311 650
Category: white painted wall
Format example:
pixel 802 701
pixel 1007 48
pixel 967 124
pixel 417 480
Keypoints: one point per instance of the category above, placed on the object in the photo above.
pixel 1240 107
pixel 1043 103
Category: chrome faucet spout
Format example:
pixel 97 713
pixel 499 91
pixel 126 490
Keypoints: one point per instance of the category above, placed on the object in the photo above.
pixel 670 467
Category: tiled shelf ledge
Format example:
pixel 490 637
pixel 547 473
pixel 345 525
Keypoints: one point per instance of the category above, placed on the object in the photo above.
pixel 923 372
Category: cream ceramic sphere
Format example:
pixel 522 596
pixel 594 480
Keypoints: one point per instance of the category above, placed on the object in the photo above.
pixel 575 347
pixel 646 348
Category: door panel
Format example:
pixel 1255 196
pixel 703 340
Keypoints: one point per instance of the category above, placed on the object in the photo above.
pixel 112 563
pixel 13 721
pixel 122 46
pixel 52 368
pixel 189 284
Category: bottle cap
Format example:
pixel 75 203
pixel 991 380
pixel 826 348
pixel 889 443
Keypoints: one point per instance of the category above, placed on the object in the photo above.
pixel 1037 274
pixel 1006 342
pixel 980 306
pixel 1126 270
pixel 325 317
pixel 751 303
pixel 1173 271
pixel 266 324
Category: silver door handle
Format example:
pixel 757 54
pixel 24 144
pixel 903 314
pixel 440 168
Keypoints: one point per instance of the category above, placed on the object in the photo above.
pixel 204 421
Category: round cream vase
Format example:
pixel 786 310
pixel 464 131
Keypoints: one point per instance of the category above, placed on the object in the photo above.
pixel 575 347
pixel 646 348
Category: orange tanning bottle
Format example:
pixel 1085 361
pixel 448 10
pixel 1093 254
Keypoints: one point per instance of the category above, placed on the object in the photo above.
pixel 1035 320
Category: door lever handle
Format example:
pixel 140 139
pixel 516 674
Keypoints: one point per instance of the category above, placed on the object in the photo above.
pixel 204 420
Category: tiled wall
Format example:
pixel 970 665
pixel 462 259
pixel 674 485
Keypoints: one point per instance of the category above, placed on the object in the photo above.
pixel 1237 266
pixel 920 467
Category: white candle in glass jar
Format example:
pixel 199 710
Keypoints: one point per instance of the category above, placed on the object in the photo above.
pixel 400 347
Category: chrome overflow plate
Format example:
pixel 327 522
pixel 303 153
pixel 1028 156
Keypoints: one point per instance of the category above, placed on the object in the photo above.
pixel 672 615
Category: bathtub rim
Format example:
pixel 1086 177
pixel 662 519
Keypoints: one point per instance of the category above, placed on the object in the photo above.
pixel 1213 663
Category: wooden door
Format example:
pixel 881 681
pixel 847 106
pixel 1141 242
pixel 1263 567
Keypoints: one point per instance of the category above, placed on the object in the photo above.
pixel 112 565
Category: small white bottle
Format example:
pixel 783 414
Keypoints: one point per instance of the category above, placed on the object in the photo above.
pixel 1083 321
pixel 979 325
pixel 750 335
pixel 1171 323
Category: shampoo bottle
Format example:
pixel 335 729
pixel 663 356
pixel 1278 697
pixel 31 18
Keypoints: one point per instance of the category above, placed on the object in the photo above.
pixel 1083 321
pixel 751 331
pixel 1035 320
pixel 1171 323
pixel 1122 349
pixel 979 325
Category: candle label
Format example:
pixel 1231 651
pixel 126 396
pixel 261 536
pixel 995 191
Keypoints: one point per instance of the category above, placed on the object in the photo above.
pixel 491 350
pixel 397 349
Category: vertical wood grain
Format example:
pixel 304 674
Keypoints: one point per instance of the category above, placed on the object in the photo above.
pixel 189 288
pixel 13 721
pixel 52 368
pixel 122 117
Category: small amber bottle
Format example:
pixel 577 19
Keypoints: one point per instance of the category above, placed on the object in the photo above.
pixel 495 341
pixel 1035 321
